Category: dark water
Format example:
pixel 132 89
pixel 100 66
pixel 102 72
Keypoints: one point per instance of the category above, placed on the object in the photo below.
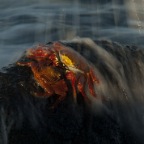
pixel 25 23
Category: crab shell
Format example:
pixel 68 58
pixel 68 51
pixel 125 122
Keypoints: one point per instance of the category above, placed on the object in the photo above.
pixel 80 73
pixel 52 61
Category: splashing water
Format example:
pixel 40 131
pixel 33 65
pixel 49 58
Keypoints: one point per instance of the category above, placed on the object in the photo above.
pixel 120 92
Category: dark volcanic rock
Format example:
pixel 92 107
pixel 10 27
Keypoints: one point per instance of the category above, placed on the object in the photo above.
pixel 28 119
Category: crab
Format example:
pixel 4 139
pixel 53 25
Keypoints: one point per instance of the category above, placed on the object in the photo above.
pixel 52 65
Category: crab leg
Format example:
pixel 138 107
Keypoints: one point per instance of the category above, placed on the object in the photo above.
pixel 29 64
pixel 93 76
pixel 81 87
pixel 91 85
pixel 71 76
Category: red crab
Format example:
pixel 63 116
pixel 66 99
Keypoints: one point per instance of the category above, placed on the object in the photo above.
pixel 51 63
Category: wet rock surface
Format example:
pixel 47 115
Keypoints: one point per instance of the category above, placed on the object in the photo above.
pixel 29 119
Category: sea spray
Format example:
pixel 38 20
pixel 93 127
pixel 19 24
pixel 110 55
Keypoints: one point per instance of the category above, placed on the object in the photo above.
pixel 121 89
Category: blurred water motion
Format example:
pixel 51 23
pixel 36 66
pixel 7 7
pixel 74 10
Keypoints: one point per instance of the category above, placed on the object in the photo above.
pixel 24 23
